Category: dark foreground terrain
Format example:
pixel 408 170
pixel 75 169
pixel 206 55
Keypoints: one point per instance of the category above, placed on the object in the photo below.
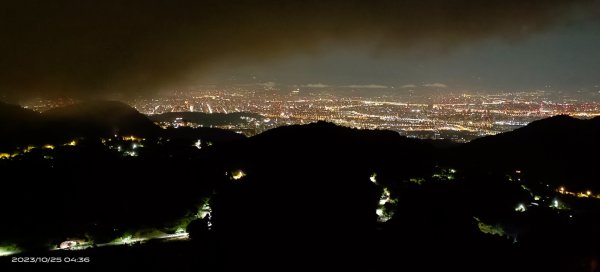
pixel 309 197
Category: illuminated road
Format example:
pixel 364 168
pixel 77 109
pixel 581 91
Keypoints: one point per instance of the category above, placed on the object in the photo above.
pixel 131 241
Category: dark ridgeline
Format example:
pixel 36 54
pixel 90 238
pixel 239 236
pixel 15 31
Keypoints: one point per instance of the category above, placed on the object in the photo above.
pixel 560 150
pixel 18 125
pixel 305 199
pixel 89 119
pixel 99 118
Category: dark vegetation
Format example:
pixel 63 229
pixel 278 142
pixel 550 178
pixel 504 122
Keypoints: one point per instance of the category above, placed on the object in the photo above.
pixel 300 197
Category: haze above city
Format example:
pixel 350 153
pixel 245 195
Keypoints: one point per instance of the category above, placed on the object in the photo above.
pixel 125 50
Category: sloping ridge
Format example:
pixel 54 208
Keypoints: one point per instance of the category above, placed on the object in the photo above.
pixel 559 149
pixel 18 125
pixel 99 118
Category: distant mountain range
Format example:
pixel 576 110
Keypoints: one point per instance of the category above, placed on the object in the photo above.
pixel 559 149
pixel 100 118
pixel 86 119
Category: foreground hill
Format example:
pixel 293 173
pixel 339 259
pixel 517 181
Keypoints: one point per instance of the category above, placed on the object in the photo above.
pixel 560 150
pixel 99 118
pixel 305 194
pixel 299 186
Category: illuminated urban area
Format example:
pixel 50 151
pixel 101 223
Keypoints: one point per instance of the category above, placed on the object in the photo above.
pixel 456 116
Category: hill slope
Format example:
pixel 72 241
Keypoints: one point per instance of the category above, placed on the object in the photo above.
pixel 558 150
pixel 99 118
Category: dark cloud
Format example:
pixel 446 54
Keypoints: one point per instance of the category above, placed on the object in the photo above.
pixel 89 47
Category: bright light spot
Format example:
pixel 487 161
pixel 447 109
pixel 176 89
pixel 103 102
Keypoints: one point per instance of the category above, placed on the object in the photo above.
pixel 385 197
pixel 8 250
pixel 198 144
pixel 373 178
pixel 134 146
pixel 238 174
pixel 126 239
pixel 132 138
pixel 67 244
pixel 204 210
pixel 383 215
pixel 452 171
pixel 588 192
pixel 518 171
pixel 536 198
pixel 72 143
pixel 180 231
pixel 561 189
pixel 555 203
pixel 520 208
pixel 4 156
pixel 48 146
pixel 28 148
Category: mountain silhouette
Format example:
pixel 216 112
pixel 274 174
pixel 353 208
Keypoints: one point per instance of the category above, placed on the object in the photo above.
pixel 558 150
pixel 19 125
pixel 309 184
pixel 317 186
pixel 98 118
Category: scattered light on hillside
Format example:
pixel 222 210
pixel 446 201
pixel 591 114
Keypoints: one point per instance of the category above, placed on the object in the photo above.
pixel 238 174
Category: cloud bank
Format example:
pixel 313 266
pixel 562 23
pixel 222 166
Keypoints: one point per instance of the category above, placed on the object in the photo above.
pixel 87 48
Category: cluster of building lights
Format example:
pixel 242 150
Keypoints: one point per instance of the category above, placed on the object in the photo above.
pixel 586 194
pixel 456 116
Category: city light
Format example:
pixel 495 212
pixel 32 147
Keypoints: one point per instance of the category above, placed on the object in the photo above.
pixel 130 153
pixel 373 178
pixel 585 194
pixel 238 174
pixel 71 143
pixel 458 117
pixel 132 138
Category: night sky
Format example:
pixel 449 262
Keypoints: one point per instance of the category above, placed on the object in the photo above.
pixel 99 48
